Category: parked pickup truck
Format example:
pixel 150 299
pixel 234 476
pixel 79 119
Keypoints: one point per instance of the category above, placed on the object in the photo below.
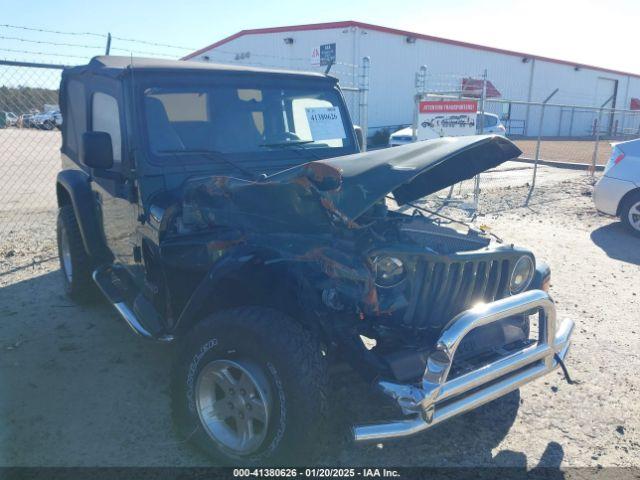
pixel 230 209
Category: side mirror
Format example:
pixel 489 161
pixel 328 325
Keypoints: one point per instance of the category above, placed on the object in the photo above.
pixel 97 151
pixel 359 135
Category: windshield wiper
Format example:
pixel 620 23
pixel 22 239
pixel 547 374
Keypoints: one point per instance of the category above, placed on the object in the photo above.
pixel 300 148
pixel 215 155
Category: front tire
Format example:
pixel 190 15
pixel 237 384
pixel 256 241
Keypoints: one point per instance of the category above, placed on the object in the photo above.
pixel 249 388
pixel 630 213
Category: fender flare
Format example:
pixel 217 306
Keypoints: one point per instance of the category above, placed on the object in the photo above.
pixel 542 272
pixel 76 184
pixel 235 260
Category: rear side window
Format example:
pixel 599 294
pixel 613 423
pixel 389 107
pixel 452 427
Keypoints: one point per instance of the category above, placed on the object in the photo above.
pixel 105 117
pixel 76 114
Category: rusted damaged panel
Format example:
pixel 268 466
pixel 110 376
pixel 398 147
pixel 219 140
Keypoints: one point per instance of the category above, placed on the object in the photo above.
pixel 299 199
pixel 304 212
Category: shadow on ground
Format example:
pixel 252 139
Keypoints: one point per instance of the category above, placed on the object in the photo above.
pixel 77 389
pixel 617 242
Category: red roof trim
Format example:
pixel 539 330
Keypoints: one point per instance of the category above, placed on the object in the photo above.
pixel 256 31
pixel 351 23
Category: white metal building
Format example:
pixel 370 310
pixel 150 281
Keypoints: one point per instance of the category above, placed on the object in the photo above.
pixel 397 55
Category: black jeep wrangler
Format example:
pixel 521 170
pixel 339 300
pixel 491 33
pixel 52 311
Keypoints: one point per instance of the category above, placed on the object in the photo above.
pixel 231 210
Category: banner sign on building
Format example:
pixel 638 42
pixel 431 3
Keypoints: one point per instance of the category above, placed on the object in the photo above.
pixel 324 54
pixel 446 118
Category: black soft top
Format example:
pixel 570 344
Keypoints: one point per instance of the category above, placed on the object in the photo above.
pixel 117 66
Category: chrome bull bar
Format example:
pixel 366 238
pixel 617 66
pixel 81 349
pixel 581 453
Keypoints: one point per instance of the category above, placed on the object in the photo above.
pixel 438 399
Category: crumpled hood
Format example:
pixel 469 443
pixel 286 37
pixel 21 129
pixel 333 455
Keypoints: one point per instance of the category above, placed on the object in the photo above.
pixel 308 197
pixel 410 172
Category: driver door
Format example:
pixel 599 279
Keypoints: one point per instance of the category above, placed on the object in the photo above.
pixel 118 210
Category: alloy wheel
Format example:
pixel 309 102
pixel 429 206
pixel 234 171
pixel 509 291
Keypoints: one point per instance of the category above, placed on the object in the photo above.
pixel 634 216
pixel 233 402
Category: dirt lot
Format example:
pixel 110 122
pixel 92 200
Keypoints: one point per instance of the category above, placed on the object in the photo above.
pixel 574 151
pixel 77 389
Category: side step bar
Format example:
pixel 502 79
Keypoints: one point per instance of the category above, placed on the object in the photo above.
pixel 103 279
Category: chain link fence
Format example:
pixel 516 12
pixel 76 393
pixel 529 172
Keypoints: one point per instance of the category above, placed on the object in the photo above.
pixel 576 137
pixel 29 156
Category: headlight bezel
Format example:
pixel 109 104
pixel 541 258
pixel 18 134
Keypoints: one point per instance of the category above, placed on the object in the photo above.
pixel 524 284
pixel 397 278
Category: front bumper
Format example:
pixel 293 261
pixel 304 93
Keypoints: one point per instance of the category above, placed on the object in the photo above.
pixel 439 398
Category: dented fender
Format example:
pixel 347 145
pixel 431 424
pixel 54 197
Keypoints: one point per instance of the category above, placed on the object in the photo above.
pixel 308 268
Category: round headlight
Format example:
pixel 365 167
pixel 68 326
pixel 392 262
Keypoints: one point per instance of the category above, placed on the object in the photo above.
pixel 389 271
pixel 522 275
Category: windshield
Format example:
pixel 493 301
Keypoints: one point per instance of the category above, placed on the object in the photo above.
pixel 231 120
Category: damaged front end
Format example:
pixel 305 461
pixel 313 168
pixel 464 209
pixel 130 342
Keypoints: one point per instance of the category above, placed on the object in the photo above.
pixel 450 331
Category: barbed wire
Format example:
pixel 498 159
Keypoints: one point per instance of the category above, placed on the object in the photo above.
pixel 145 42
pixel 278 57
pixel 31 52
pixel 58 32
pixel 77 45
pixel 57 44
pixel 93 34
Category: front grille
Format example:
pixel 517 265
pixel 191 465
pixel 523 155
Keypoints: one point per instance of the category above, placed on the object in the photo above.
pixel 440 289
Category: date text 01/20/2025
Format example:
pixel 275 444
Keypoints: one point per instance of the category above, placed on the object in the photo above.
pixel 315 472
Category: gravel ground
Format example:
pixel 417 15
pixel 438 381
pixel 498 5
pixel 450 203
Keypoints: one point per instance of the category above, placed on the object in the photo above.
pixel 79 390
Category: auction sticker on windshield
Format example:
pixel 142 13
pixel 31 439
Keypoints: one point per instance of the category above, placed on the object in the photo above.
pixel 325 123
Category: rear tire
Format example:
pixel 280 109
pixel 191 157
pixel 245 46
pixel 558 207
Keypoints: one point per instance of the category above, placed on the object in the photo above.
pixel 250 387
pixel 630 213
pixel 75 264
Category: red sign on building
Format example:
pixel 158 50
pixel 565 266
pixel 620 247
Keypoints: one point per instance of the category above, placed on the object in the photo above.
pixel 472 87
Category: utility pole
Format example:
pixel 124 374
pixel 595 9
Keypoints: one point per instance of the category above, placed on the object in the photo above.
pixel 108 44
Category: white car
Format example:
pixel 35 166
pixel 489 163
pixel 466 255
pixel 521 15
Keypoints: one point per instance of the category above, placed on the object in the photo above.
pixel 492 124
pixel 401 137
pixel 618 191
pixel 10 118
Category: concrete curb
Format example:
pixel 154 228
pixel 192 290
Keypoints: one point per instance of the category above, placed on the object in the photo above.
pixel 553 163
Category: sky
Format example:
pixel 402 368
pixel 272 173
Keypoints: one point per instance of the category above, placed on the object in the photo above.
pixel 600 33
